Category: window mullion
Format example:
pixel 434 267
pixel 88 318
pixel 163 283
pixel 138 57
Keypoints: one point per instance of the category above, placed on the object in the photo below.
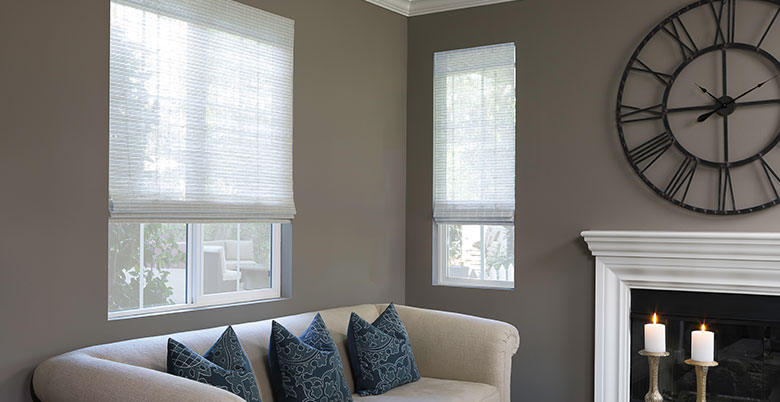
pixel 482 250
pixel 193 262
pixel 238 256
pixel 141 266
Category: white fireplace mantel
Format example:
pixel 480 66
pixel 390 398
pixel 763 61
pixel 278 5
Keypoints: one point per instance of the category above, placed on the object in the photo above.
pixel 742 263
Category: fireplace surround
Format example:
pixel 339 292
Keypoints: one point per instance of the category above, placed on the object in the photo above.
pixel 715 262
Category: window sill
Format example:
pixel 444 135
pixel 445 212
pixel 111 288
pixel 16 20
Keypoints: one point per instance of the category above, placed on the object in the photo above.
pixel 186 309
pixel 474 284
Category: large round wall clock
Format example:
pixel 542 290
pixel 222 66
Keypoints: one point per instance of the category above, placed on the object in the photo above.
pixel 698 108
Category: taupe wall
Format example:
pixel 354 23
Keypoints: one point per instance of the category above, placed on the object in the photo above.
pixel 571 175
pixel 348 236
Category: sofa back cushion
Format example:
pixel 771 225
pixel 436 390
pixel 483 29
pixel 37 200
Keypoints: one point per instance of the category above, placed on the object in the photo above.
pixel 254 337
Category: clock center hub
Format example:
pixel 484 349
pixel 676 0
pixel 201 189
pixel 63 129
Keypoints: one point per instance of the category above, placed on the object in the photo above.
pixel 727 106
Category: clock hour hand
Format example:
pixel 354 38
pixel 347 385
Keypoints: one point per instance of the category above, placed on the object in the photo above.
pixel 704 90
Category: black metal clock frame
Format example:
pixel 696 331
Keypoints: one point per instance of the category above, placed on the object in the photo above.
pixel 652 150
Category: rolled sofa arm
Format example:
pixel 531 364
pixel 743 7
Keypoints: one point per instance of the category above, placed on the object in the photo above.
pixel 461 347
pixel 79 377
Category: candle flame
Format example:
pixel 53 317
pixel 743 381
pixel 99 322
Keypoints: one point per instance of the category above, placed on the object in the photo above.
pixel 655 319
pixel 703 327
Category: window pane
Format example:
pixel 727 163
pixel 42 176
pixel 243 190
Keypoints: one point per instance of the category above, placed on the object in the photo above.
pixel 499 253
pixel 236 257
pixel 164 274
pixel 480 252
pixel 123 254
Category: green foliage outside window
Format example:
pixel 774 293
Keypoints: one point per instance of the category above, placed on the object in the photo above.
pixel 161 251
pixel 499 246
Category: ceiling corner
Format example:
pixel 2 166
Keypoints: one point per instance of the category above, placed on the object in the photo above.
pixel 411 8
pixel 422 7
pixel 402 7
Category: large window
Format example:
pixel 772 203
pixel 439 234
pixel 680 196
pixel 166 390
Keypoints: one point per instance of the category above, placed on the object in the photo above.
pixel 474 166
pixel 200 163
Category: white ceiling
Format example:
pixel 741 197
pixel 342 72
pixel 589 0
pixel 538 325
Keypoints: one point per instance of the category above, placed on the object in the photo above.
pixel 410 8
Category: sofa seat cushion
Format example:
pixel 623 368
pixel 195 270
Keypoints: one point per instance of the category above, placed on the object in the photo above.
pixel 436 390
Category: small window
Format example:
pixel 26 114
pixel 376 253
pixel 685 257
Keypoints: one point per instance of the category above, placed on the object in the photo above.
pixel 477 255
pixel 474 167
pixel 200 155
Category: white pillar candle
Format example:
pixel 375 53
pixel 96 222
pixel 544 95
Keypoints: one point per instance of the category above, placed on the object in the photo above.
pixel 655 336
pixel 703 345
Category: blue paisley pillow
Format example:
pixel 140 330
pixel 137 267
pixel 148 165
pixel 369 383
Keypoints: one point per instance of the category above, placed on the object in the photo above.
pixel 225 365
pixel 306 369
pixel 380 353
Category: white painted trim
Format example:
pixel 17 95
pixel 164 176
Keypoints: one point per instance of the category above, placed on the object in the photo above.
pixel 742 263
pixel 421 7
pixel 402 7
pixel 411 8
pixel 440 277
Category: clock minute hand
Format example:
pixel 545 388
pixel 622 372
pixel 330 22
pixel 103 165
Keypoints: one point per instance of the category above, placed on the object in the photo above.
pixel 755 87
pixel 707 115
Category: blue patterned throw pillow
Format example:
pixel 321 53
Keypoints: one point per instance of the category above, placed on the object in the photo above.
pixel 306 369
pixel 380 353
pixel 225 366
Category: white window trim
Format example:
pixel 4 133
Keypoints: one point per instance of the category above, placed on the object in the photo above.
pixel 440 277
pixel 197 300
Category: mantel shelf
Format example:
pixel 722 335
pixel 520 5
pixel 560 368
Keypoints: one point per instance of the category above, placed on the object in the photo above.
pixel 707 245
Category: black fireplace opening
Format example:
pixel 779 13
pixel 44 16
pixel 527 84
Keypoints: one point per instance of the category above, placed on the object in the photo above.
pixel 747 345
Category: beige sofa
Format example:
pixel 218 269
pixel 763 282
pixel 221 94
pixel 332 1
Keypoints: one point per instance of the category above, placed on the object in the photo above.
pixel 461 359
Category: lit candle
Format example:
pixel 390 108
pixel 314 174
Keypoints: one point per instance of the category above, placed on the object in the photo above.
pixel 655 336
pixel 703 345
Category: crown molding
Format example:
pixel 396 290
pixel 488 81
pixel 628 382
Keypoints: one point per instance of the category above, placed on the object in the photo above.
pixel 421 7
pixel 402 7
pixel 411 8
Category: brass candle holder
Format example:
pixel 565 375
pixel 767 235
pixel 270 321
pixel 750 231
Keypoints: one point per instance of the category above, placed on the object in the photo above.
pixel 653 358
pixel 701 377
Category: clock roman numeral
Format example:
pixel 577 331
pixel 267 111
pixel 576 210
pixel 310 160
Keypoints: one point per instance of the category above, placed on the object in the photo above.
pixel 641 114
pixel 687 45
pixel 682 177
pixel 662 77
pixel 718 17
pixel 766 31
pixel 651 150
pixel 725 190
pixel 732 24
pixel 771 175
pixel 728 9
